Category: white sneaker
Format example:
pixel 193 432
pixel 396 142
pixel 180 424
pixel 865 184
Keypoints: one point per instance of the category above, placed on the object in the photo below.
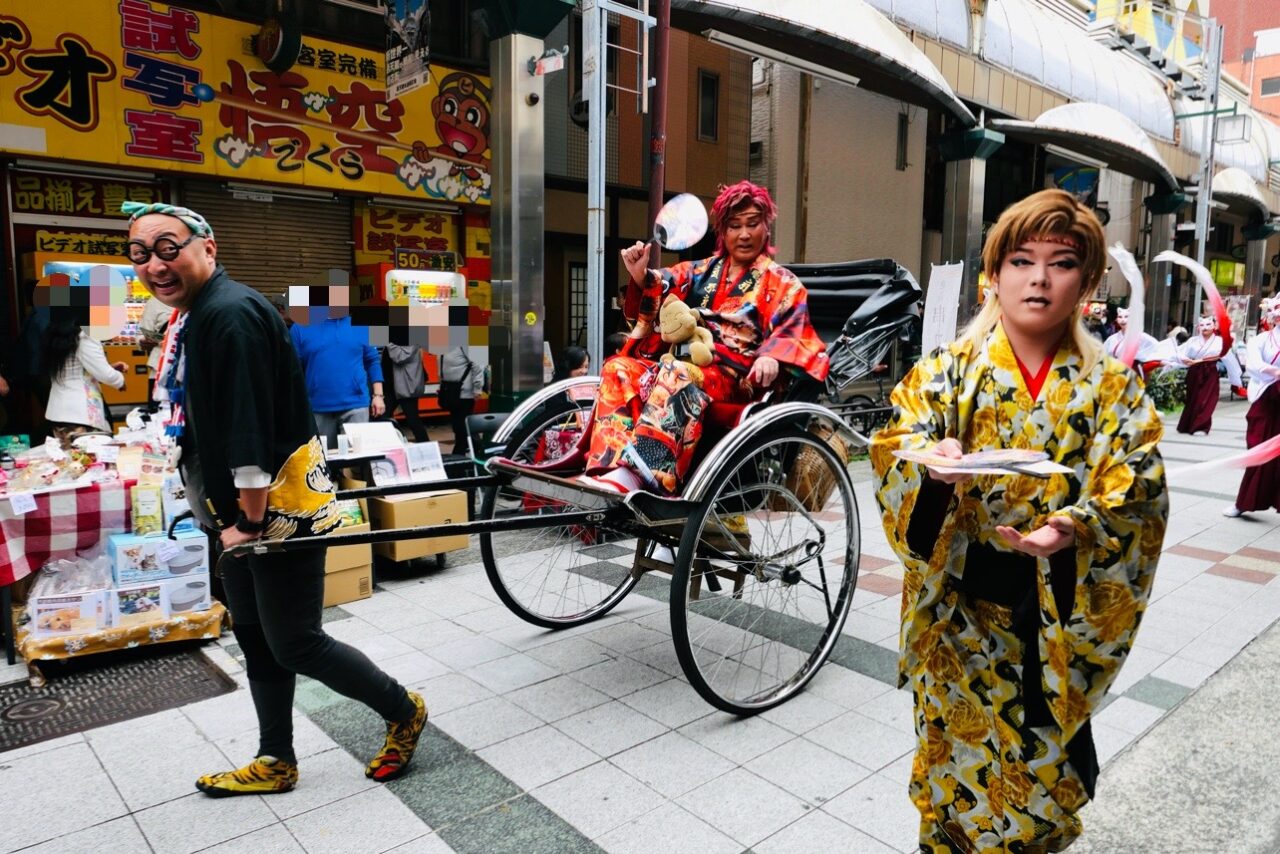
pixel 1232 512
pixel 1200 433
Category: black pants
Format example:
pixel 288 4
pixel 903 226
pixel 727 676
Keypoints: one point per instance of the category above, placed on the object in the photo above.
pixel 458 415
pixel 412 420
pixel 275 602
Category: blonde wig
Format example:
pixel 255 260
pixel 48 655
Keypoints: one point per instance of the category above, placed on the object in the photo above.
pixel 1052 215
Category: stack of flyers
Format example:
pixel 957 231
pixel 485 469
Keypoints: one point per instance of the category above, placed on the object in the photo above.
pixel 995 461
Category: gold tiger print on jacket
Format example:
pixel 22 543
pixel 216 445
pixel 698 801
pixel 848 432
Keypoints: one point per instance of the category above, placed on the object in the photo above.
pixel 981 780
pixel 300 501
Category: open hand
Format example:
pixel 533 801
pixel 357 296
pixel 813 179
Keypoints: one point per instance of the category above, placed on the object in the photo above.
pixel 377 407
pixel 953 450
pixel 1056 534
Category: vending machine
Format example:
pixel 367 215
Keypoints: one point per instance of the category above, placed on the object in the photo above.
pixel 123 343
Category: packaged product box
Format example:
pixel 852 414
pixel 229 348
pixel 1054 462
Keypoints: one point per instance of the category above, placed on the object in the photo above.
pixel 137 559
pixel 174 502
pixel 416 510
pixel 148 517
pixel 348 480
pixel 348 585
pixel 68 613
pixel 137 604
pixel 338 558
pixel 189 593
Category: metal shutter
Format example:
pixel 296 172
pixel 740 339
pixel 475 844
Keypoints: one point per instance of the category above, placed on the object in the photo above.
pixel 271 245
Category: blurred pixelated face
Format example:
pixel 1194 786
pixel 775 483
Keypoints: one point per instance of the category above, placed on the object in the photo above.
pixel 1206 326
pixel 746 234
pixel 581 370
pixel 174 278
pixel 1039 286
pixel 1122 318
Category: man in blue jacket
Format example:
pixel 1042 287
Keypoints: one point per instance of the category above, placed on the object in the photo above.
pixel 340 367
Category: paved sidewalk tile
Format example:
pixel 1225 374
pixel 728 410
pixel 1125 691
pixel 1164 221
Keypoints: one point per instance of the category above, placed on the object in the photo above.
pixel 669 828
pixel 74 792
pixel 598 798
pixel 819 831
pixel 743 806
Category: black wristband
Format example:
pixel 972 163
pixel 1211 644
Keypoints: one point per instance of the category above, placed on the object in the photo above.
pixel 245 526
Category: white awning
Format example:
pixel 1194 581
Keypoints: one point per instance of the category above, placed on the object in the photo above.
pixel 1028 41
pixel 944 20
pixel 1237 189
pixel 1253 155
pixel 1099 133
pixel 844 35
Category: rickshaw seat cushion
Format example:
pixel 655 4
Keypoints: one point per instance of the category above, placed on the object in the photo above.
pixel 724 416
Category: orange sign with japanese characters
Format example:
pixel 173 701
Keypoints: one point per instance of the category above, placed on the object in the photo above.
pixel 158 87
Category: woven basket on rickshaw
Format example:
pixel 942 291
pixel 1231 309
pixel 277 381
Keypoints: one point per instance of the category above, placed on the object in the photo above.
pixel 809 479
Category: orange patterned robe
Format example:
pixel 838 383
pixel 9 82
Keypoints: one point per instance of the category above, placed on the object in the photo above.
pixel 655 408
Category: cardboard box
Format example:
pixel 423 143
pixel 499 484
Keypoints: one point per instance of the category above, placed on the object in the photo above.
pixel 189 593
pixel 338 558
pixel 414 511
pixel 138 604
pixel 68 613
pixel 137 559
pixel 348 585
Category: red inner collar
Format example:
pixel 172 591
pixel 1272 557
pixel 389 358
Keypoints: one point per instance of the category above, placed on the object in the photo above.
pixel 1034 383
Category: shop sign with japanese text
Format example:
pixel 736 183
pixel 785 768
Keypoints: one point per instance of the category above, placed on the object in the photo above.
pixel 39 193
pixel 383 234
pixel 142 84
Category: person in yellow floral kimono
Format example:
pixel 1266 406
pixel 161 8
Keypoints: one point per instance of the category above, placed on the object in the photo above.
pixel 1021 596
pixel 648 414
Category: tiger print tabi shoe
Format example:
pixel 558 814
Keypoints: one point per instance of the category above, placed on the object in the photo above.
pixel 265 775
pixel 402 741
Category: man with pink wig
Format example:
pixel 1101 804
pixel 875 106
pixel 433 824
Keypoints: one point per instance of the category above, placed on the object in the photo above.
pixel 649 411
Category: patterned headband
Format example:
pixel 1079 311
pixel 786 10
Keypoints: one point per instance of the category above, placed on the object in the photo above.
pixel 1065 239
pixel 198 225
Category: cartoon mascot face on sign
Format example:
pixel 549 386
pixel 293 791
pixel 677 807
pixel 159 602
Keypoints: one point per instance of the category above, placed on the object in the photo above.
pixel 461 113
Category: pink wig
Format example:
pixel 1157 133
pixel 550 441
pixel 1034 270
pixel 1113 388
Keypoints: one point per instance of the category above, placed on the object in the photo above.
pixel 732 200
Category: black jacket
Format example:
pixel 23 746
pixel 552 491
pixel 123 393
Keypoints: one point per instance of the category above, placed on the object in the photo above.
pixel 246 397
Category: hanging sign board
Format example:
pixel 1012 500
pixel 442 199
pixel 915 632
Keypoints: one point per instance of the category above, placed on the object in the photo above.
pixel 408 29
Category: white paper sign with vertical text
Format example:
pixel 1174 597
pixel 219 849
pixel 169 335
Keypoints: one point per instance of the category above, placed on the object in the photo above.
pixel 941 305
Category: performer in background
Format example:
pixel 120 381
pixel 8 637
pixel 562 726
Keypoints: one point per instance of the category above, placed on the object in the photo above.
pixel 1200 354
pixel 1021 596
pixel 1260 488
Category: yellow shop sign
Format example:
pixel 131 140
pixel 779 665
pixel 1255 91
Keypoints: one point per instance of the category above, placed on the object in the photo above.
pixel 159 87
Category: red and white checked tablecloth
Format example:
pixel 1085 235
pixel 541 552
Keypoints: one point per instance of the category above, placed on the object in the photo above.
pixel 63 523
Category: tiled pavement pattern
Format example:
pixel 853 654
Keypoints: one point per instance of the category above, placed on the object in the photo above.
pixel 590 739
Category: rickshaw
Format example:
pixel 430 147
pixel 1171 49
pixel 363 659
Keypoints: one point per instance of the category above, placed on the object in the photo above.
pixel 757 557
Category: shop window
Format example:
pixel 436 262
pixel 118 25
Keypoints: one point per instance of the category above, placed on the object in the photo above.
pixel 708 106
pixel 1270 86
pixel 577 303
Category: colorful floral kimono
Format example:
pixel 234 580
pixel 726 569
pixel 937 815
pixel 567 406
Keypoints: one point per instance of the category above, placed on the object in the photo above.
pixel 1008 656
pixel 653 409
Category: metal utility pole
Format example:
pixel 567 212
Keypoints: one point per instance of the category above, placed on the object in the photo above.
pixel 1211 69
pixel 658 119
pixel 595 85
pixel 595 31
